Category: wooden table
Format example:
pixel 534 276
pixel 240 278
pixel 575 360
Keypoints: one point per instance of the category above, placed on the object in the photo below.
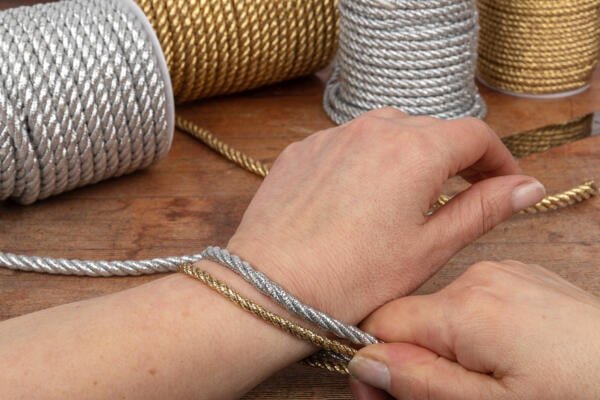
pixel 193 198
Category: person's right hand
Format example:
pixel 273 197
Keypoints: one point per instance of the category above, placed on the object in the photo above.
pixel 500 331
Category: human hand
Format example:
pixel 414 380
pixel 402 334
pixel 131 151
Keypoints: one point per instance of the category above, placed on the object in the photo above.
pixel 500 331
pixel 340 219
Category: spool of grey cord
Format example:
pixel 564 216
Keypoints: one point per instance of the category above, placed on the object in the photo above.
pixel 84 96
pixel 418 56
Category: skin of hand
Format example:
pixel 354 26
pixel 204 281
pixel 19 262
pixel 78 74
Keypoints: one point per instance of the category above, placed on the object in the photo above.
pixel 503 330
pixel 340 219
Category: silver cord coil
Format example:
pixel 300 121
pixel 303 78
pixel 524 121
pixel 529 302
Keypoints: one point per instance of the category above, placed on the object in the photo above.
pixel 417 56
pixel 84 97
pixel 271 289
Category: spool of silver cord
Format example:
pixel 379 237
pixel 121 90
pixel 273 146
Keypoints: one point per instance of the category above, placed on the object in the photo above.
pixel 417 56
pixel 82 98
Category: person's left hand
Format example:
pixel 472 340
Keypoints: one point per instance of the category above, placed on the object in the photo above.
pixel 340 219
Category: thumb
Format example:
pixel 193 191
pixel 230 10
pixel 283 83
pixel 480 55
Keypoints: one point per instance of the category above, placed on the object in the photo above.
pixel 407 371
pixel 480 208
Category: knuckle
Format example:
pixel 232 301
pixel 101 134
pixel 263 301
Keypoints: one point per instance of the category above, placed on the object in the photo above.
pixel 491 211
pixel 481 269
pixel 476 125
pixel 475 303
pixel 418 388
pixel 289 152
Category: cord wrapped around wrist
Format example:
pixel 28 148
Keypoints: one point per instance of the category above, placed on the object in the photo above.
pixel 278 294
pixel 335 355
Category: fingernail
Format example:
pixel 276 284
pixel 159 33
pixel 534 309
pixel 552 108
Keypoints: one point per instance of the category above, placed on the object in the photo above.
pixel 527 195
pixel 371 372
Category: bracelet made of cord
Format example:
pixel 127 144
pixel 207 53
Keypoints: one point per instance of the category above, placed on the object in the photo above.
pixel 278 294
pixel 334 356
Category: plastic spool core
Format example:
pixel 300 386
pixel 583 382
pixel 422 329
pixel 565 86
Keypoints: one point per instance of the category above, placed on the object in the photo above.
pixel 545 96
pixel 130 5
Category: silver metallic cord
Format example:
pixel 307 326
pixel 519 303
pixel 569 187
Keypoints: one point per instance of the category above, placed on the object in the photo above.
pixel 261 282
pixel 418 56
pixel 82 99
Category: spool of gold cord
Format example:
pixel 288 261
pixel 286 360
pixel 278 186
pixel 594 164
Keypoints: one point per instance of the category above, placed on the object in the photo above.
pixel 538 46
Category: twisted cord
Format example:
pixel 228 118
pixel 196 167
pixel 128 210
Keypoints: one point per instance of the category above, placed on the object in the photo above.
pixel 542 139
pixel 565 199
pixel 538 47
pixel 414 55
pixel 336 354
pixel 89 268
pixel 82 99
pixel 261 282
pixel 81 95
pixel 549 203
pixel 216 47
pixel 237 157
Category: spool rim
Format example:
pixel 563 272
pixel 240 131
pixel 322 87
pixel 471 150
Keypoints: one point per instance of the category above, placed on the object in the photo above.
pixel 544 96
pixel 132 6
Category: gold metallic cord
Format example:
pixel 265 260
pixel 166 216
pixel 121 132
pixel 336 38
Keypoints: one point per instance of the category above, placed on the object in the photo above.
pixel 542 139
pixel 538 46
pixel 318 360
pixel 216 47
pixel 549 203
pixel 208 138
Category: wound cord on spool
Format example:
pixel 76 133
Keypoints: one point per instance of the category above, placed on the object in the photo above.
pixel 413 55
pixel 216 47
pixel 83 98
pixel 539 47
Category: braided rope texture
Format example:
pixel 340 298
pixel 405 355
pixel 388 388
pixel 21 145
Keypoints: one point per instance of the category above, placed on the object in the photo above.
pixel 542 139
pixel 81 98
pixel 271 289
pixel 335 355
pixel 538 46
pixel 216 47
pixel 417 56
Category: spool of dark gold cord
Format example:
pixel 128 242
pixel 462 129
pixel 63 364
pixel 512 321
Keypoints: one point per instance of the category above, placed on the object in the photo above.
pixel 538 47
pixel 216 47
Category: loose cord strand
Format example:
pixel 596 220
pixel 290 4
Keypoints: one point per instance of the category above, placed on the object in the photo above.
pixel 522 144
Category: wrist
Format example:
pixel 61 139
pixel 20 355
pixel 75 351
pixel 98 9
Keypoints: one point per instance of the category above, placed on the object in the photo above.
pixel 299 274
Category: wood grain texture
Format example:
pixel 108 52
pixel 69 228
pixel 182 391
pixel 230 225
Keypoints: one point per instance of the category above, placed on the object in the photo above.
pixel 193 198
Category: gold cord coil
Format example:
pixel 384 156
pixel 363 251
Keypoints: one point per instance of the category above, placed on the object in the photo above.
pixel 216 47
pixel 538 46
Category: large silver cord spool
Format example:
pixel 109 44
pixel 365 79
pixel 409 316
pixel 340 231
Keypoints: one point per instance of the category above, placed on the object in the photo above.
pixel 84 96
